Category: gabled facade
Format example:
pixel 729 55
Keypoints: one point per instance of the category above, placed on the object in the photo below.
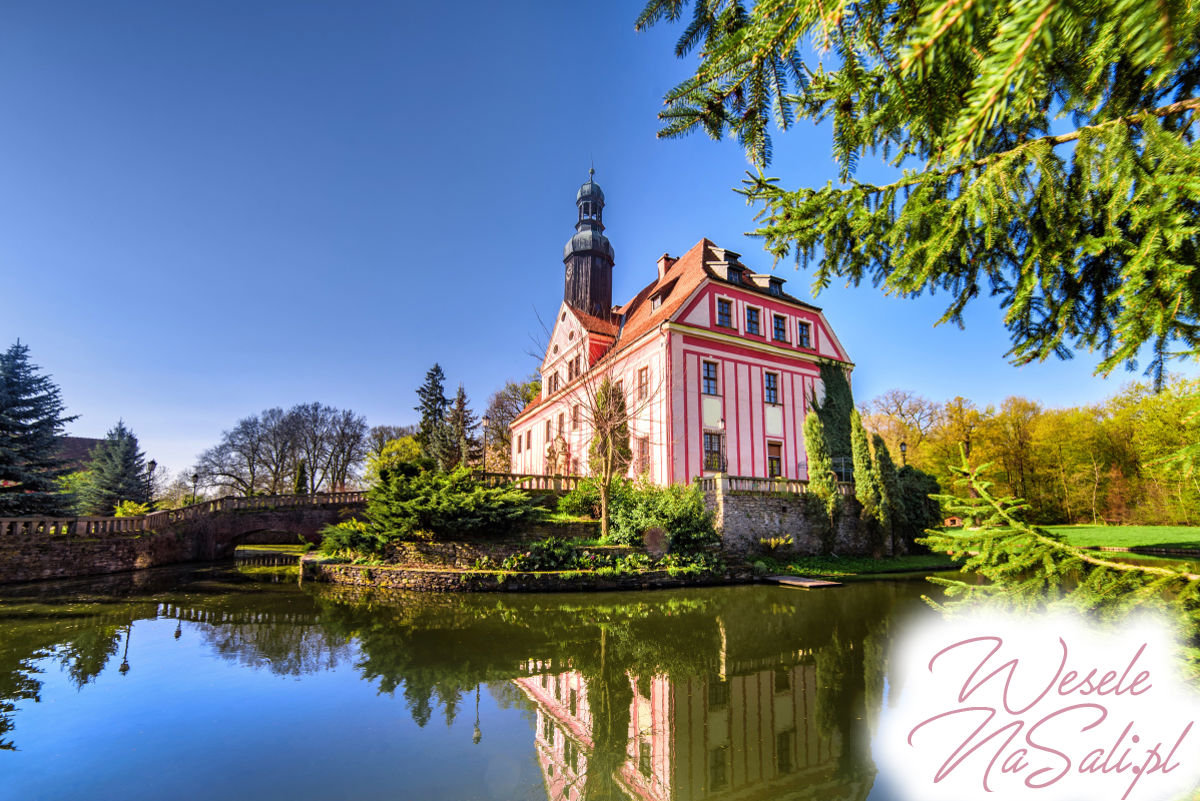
pixel 718 366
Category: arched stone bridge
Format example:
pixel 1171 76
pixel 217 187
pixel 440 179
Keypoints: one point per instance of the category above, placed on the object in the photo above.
pixel 204 531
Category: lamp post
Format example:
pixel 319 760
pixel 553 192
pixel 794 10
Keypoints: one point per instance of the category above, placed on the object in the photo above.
pixel 124 668
pixel 150 466
pixel 485 421
pixel 195 480
pixel 477 735
pixel 904 454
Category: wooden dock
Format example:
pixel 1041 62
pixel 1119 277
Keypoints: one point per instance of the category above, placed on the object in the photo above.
pixel 801 582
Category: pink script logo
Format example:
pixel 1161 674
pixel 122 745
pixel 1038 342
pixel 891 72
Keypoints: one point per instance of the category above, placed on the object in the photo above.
pixel 1043 707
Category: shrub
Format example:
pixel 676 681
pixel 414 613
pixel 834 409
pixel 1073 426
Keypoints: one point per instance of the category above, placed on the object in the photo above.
pixel 552 553
pixel 423 504
pixel 680 511
pixel 583 501
pixel 772 544
pixel 350 537
pixel 690 564
pixel 921 511
pixel 131 509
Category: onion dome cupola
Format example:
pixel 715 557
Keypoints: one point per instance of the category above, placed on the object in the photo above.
pixel 588 256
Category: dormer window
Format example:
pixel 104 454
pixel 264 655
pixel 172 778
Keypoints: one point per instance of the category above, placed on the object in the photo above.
pixel 735 276
pixel 655 302
pixel 775 288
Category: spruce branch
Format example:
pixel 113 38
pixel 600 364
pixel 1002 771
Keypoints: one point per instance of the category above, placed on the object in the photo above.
pixel 1030 569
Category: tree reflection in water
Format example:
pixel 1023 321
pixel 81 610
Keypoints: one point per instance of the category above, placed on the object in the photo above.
pixel 673 695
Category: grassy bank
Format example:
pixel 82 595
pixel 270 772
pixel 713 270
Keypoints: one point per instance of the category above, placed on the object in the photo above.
pixel 1131 536
pixel 848 567
pixel 296 549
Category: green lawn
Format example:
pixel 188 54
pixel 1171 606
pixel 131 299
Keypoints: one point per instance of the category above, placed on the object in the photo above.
pixel 294 549
pixel 1131 536
pixel 840 568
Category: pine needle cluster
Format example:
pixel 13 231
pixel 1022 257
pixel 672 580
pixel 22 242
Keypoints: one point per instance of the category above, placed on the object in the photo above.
pixel 1045 151
pixel 1030 569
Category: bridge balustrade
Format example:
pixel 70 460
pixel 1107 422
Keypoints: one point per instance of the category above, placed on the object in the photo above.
pixel 154 521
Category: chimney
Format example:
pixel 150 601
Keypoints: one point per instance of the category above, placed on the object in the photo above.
pixel 665 262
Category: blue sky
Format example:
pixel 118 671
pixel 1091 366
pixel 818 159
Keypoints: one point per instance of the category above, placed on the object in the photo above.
pixel 207 209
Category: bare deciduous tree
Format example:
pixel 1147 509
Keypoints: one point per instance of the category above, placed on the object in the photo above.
pixel 262 453
pixel 503 407
pixel 236 462
pixel 379 436
pixel 610 414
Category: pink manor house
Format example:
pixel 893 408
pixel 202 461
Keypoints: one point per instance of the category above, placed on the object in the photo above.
pixel 718 365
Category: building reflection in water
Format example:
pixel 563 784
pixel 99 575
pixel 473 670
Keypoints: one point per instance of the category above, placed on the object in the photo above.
pixel 753 734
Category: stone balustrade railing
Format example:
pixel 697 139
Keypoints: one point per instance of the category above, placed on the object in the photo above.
pixel 728 483
pixel 529 481
pixel 155 521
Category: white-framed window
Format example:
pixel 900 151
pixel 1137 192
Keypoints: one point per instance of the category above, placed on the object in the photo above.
pixel 725 312
pixel 753 320
pixel 779 328
pixel 709 382
pixel 771 387
pixel 804 334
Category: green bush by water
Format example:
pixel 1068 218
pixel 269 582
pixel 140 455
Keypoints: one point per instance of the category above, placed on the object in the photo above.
pixel 679 511
pixel 413 502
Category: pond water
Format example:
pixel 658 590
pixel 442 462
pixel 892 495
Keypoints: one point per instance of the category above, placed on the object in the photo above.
pixel 228 682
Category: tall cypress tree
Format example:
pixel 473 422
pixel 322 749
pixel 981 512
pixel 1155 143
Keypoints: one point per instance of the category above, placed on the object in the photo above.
pixel 300 483
pixel 822 481
pixel 118 469
pixel 835 411
pixel 891 510
pixel 866 481
pixel 431 403
pixel 31 421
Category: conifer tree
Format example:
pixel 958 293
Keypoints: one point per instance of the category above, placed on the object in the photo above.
pixel 891 508
pixel 835 410
pixel 118 473
pixel 1030 569
pixel 431 405
pixel 300 484
pixel 866 480
pixel 822 481
pixel 1043 154
pixel 458 444
pixel 31 421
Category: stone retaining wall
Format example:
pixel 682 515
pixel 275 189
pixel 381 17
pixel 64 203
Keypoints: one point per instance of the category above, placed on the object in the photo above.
pixel 41 557
pixel 428 580
pixel 466 554
pixel 743 518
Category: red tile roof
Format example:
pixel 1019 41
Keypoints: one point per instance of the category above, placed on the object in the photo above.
pixel 595 325
pixel 679 281
pixel 676 285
